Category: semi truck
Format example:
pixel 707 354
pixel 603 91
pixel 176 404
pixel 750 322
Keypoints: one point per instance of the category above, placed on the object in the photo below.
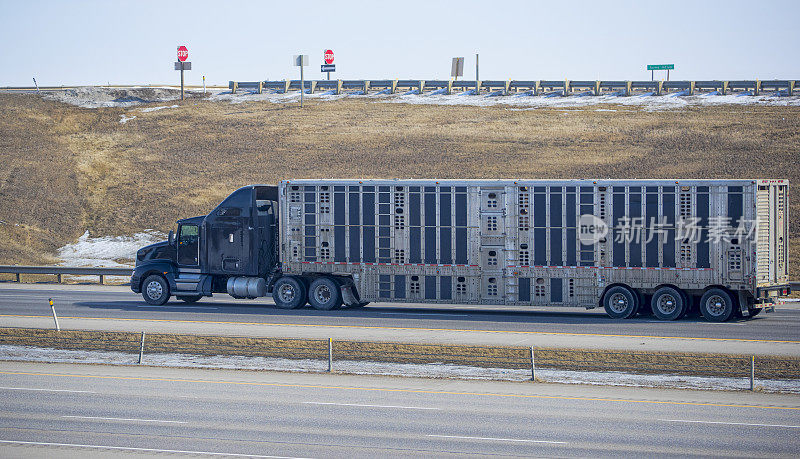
pixel 666 247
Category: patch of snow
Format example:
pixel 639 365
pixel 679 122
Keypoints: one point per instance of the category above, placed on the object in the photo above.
pixel 125 118
pixel 28 353
pixel 152 109
pixel 96 97
pixel 103 251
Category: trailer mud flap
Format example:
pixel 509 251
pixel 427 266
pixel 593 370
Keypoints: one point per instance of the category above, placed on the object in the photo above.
pixel 350 296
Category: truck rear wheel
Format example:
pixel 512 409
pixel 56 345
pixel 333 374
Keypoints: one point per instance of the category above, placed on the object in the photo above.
pixel 620 302
pixel 289 293
pixel 324 294
pixel 155 290
pixel 668 303
pixel 716 305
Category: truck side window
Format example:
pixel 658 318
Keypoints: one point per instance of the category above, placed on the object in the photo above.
pixel 229 212
pixel 188 244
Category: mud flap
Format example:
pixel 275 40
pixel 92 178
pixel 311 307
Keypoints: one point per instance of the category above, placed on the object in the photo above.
pixel 350 297
pixel 744 308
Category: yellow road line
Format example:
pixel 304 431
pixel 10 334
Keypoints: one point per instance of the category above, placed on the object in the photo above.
pixel 375 327
pixel 413 391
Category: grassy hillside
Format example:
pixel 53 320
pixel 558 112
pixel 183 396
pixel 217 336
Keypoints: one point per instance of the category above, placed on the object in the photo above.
pixel 65 169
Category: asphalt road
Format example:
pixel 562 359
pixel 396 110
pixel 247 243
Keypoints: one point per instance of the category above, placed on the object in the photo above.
pixel 93 410
pixel 89 306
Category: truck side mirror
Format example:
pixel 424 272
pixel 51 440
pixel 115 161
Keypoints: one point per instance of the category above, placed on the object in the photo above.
pixel 171 237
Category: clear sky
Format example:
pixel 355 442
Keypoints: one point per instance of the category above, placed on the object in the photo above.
pixel 127 42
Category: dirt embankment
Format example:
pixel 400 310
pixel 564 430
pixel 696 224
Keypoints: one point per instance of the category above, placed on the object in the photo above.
pixel 67 169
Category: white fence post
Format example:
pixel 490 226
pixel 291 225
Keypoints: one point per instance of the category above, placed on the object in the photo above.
pixel 533 365
pixel 330 355
pixel 752 372
pixel 141 349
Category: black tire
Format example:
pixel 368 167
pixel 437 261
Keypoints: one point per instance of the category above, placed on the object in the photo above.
pixel 190 298
pixel 324 294
pixel 620 302
pixel 717 305
pixel 668 303
pixel 155 290
pixel 289 293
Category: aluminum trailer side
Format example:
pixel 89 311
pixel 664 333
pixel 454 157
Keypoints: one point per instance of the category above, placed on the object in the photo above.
pixel 626 245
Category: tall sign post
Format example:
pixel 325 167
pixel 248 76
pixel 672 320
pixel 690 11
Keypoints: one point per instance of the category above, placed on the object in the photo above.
pixel 182 65
pixel 328 66
pixel 654 67
pixel 457 68
pixel 301 60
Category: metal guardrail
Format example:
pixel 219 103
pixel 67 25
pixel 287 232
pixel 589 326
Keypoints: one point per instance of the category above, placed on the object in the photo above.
pixel 102 272
pixel 59 271
pixel 338 355
pixel 537 87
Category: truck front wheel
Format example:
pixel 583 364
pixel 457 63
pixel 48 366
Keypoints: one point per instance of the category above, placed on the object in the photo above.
pixel 289 293
pixel 716 305
pixel 155 290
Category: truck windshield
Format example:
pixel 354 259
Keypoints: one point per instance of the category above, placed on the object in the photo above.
pixel 188 244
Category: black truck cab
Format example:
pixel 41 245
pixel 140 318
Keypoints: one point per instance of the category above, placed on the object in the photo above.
pixel 231 250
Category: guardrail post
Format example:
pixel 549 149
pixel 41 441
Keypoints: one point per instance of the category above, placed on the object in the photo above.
pixel 313 86
pixel 537 88
pixel 55 317
pixel 286 84
pixel 628 88
pixel 791 87
pixel 141 349
pixel 421 86
pixel 102 280
pixel 58 276
pixel 18 278
pixel 660 88
pixel 330 355
pixel 235 87
pixel 566 88
pixel 533 365
pixel 596 88
pixel 724 88
pixel 691 88
pixel 394 86
pixel 477 87
pixel 757 89
pixel 752 372
pixel 450 87
pixel 338 87
pixel 260 86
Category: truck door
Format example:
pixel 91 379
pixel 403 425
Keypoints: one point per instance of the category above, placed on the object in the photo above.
pixel 188 258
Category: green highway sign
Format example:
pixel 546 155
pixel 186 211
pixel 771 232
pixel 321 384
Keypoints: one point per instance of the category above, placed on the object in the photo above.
pixel 661 67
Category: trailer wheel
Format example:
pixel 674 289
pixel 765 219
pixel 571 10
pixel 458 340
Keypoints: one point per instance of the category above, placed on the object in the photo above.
pixel 324 294
pixel 620 302
pixel 716 305
pixel 289 293
pixel 190 298
pixel 155 290
pixel 668 303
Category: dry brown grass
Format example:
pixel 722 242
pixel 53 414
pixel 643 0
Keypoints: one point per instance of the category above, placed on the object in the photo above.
pixel 67 169
pixel 692 364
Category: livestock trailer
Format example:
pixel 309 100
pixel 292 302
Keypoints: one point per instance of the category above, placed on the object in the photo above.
pixel 665 246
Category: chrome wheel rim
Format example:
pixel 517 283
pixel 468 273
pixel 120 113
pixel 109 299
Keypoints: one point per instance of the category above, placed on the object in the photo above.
pixel 322 294
pixel 287 293
pixel 618 303
pixel 715 305
pixel 667 304
pixel 154 290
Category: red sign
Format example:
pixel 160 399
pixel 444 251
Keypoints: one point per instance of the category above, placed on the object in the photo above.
pixel 329 56
pixel 183 53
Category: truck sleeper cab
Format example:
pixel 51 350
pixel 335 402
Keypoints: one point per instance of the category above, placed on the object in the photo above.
pixel 662 246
